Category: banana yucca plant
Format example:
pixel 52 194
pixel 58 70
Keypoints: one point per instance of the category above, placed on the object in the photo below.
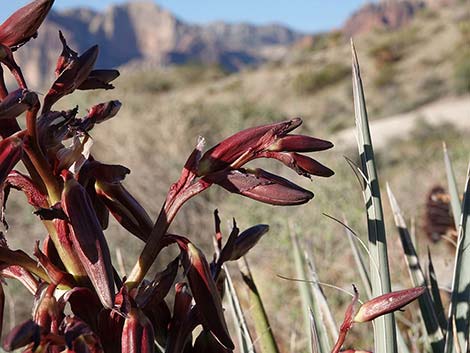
pixel 73 194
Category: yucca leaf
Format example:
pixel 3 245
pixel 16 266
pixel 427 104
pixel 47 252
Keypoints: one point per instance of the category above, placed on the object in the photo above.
pixel 265 335
pixel 309 300
pixel 402 347
pixel 314 344
pixel 320 298
pixel 244 336
pixel 360 261
pixel 433 329
pixel 453 189
pixel 460 297
pixel 384 328
pixel 364 273
pixel 436 296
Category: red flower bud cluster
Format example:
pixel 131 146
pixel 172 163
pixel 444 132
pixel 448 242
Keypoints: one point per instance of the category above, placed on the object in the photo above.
pixel 81 303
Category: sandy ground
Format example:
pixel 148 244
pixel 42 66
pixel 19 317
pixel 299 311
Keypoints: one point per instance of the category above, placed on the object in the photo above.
pixel 449 110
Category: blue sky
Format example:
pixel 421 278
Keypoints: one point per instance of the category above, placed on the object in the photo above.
pixel 305 15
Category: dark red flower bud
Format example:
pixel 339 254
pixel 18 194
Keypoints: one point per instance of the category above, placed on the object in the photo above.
pixel 125 208
pixel 103 111
pixel 99 79
pixel 23 24
pixel 179 327
pixel 66 57
pixel 137 334
pixel 206 295
pixel 299 143
pixel 99 113
pixel 387 303
pixel 227 251
pixel 23 334
pixel 88 239
pixel 303 165
pixel 108 173
pixel 252 141
pixel 11 151
pixel 17 102
pixel 262 186
pixel 72 76
pixel 6 58
pixel 247 240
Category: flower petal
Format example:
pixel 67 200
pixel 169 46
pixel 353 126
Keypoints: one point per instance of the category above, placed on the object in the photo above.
pixel 247 240
pixel 137 334
pixel 387 303
pixel 300 143
pixel 99 79
pixel 21 335
pixel 16 103
pixel 11 151
pixel 262 186
pixel 303 165
pixel 88 239
pixel 206 294
pixel 23 24
pixel 255 139
pixel 74 74
pixel 125 209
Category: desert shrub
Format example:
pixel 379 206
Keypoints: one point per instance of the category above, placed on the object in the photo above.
pixel 392 47
pixel 420 147
pixel 149 81
pixel 430 88
pixel 194 72
pixel 155 81
pixel 462 73
pixel 335 115
pixel 385 76
pixel 310 82
pixel 428 13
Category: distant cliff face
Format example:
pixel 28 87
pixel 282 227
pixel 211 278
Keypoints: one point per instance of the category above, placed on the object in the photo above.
pixel 388 14
pixel 384 15
pixel 143 34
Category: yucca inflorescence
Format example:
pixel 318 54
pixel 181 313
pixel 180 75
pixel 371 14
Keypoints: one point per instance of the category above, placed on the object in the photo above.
pixel 72 195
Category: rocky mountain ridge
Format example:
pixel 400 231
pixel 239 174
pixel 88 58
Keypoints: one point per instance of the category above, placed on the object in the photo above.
pixel 145 35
